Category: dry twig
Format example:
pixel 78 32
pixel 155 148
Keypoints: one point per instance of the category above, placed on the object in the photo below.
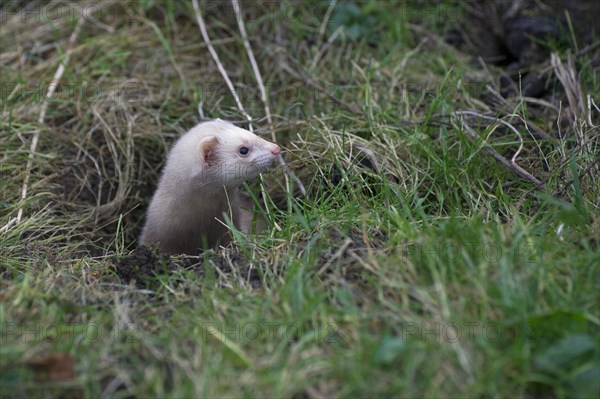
pixel 217 60
pixel 36 134
pixel 511 165
pixel 263 93
pixel 569 80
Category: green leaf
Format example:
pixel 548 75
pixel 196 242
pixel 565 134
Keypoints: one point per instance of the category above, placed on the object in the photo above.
pixel 564 355
pixel 545 329
pixel 389 350
pixel 586 384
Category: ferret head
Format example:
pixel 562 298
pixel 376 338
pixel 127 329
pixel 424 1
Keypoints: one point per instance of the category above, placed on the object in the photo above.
pixel 230 155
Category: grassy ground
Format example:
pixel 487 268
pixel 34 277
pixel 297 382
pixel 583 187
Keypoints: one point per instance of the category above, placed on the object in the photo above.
pixel 420 267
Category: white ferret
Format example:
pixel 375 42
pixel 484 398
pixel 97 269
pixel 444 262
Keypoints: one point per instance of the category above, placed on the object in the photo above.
pixel 200 183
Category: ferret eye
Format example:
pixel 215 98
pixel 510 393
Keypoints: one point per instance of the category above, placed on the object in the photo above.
pixel 244 150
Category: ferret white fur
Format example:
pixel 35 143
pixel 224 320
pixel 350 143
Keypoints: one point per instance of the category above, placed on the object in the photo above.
pixel 200 183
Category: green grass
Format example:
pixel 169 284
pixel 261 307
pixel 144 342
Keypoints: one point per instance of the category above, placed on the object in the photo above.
pixel 441 274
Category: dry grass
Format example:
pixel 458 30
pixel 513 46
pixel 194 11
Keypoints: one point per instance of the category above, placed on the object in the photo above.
pixel 409 230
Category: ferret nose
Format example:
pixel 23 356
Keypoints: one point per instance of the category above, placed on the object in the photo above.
pixel 275 150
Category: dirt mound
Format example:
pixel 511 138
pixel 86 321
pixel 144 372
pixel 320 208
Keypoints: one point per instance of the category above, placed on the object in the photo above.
pixel 520 36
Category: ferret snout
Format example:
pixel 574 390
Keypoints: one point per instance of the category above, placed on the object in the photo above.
pixel 275 150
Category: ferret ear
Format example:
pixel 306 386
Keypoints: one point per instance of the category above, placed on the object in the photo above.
pixel 208 150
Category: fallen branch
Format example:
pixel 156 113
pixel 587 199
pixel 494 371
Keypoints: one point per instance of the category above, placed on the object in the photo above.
pixel 511 165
